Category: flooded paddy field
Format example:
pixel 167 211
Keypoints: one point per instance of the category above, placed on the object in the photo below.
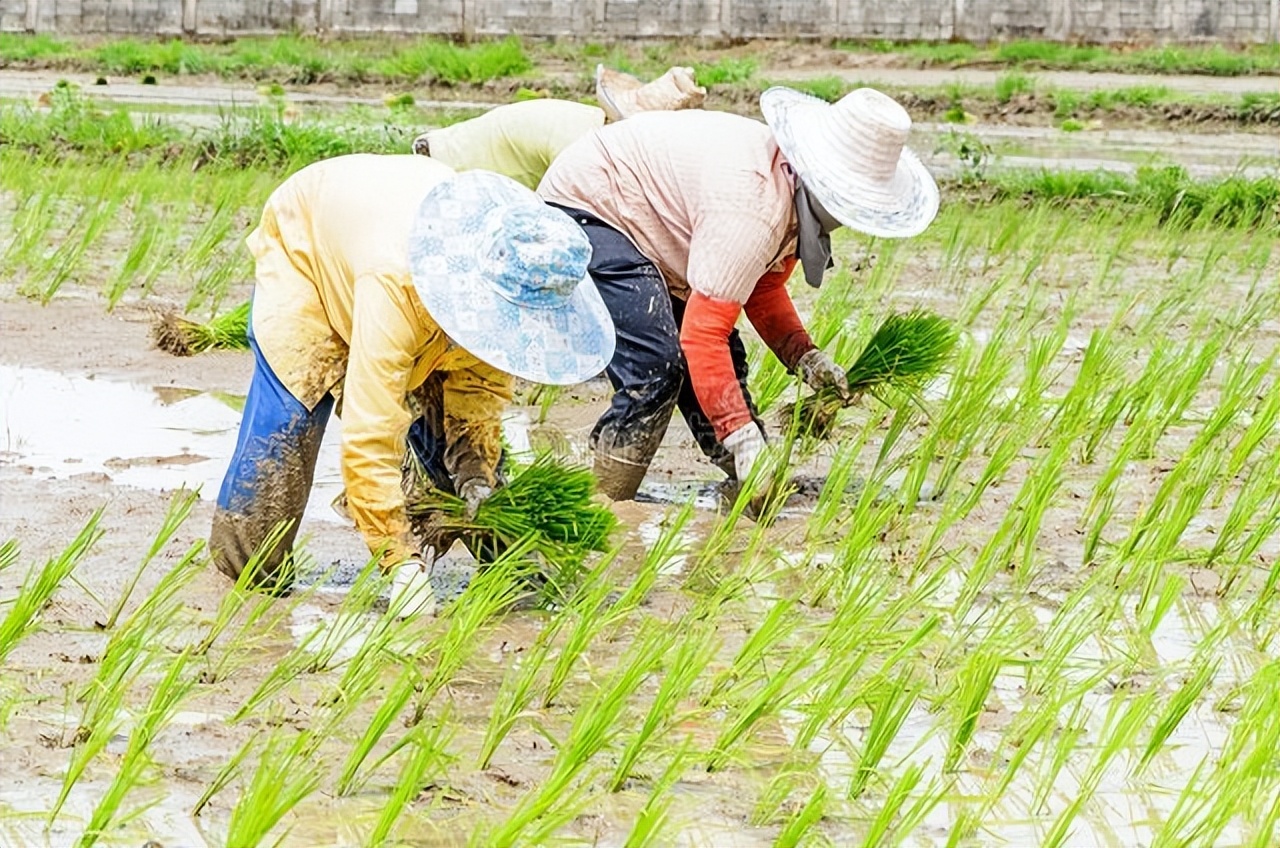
pixel 1038 608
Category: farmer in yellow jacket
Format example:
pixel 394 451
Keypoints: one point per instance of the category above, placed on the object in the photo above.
pixel 520 140
pixel 378 277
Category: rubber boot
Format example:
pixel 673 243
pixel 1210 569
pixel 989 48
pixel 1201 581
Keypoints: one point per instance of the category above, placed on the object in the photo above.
pixel 618 478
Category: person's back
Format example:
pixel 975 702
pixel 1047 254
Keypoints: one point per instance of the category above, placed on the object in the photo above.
pixel 701 194
pixel 323 230
pixel 517 140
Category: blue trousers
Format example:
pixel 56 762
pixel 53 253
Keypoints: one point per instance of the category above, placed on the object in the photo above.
pixel 271 473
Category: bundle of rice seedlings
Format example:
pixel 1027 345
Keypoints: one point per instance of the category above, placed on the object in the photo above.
pixel 547 502
pixel 906 352
pixel 182 337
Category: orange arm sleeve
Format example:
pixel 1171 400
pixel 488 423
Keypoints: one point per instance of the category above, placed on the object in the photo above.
pixel 704 338
pixel 772 312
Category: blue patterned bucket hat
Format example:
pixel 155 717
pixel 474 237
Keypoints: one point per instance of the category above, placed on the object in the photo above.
pixel 852 157
pixel 505 276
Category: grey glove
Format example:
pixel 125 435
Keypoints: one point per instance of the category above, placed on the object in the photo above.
pixel 474 491
pixel 820 371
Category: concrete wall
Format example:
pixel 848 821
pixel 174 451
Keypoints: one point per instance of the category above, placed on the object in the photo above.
pixel 972 20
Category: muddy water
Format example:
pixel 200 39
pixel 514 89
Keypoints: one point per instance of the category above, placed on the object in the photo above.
pixel 1124 813
pixel 62 425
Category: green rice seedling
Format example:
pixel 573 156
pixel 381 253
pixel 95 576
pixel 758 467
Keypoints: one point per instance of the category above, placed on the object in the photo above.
pixel 1181 702
pixel 651 822
pixel 883 824
pixel 779 688
pixel 1120 729
pixel 285 775
pixel 235 600
pixel 771 631
pixel 492 591
pixel 143 242
pixel 40 584
pixel 8 553
pixel 547 501
pixel 391 704
pixel 972 688
pixel 66 260
pixel 687 660
pixel 432 60
pixel 595 725
pixel 180 507
pixel 517 691
pixel 427 743
pixel 725 71
pixel 130 652
pixel 670 544
pixel 166 697
pixel 1261 424
pixel 890 705
pixel 1257 503
pixel 587 612
pixel 1013 85
pixel 1069 736
pixel 904 354
pixel 805 818
pixel 182 337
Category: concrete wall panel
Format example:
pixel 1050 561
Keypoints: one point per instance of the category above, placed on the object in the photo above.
pixel 927 20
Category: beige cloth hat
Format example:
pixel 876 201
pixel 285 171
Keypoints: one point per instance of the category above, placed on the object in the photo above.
pixel 852 157
pixel 622 95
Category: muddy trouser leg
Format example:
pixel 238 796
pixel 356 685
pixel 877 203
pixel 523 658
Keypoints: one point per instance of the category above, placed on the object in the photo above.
pixel 269 480
pixel 647 368
pixel 427 445
pixel 699 423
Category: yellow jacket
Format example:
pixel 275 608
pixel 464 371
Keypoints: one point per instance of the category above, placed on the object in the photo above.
pixel 335 310
pixel 517 140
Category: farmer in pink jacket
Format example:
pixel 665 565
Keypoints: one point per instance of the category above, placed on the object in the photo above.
pixel 696 217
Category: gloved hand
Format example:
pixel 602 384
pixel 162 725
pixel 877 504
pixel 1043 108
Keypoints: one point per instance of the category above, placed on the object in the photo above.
pixel 474 491
pixel 751 452
pixel 747 444
pixel 411 592
pixel 820 371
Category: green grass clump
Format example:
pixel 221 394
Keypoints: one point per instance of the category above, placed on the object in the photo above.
pixel 905 353
pixel 1013 84
pixel 1213 59
pixel 548 502
pixel 451 64
pixel 1169 192
pixel 725 71
pixel 181 337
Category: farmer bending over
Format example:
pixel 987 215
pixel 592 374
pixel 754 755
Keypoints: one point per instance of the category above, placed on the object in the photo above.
pixel 519 140
pixel 379 277
pixel 697 216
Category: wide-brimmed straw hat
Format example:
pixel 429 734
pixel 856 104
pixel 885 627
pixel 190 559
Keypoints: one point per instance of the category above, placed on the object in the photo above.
pixel 505 276
pixel 852 157
pixel 622 95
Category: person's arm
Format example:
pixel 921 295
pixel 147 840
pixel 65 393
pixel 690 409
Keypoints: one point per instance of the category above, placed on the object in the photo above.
pixel 385 335
pixel 728 254
pixel 773 314
pixel 474 399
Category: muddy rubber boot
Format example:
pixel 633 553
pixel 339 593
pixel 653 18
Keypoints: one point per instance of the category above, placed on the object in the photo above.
pixel 618 478
pixel 234 541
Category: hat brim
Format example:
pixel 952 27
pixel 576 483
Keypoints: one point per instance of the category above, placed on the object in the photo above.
pixel 902 207
pixel 558 345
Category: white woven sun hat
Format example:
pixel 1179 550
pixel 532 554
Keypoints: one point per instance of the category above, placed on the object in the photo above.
pixel 852 157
